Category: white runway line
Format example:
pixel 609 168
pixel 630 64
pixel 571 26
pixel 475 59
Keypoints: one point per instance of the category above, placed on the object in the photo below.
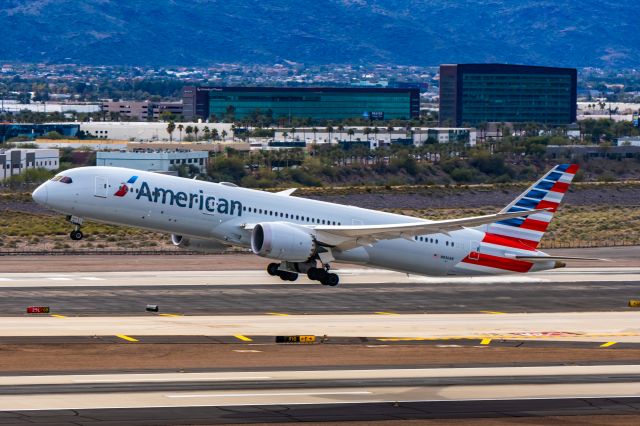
pixel 329 374
pixel 253 395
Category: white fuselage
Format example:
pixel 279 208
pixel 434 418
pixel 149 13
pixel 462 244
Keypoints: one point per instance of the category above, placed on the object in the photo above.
pixel 219 212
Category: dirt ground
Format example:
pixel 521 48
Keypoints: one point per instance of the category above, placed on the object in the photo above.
pixel 64 357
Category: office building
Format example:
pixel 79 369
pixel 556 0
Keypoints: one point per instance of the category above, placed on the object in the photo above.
pixel 317 103
pixel 141 110
pixel 153 160
pixel 16 161
pixel 471 94
pixel 32 131
pixel 152 131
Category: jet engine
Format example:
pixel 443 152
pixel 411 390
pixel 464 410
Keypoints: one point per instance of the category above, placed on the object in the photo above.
pixel 281 241
pixel 197 244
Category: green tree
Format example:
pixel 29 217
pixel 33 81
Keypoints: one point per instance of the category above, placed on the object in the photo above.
pixel 180 129
pixel 329 130
pixel 195 132
pixel 171 127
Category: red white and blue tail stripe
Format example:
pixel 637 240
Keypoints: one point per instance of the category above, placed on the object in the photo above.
pixel 501 243
pixel 547 193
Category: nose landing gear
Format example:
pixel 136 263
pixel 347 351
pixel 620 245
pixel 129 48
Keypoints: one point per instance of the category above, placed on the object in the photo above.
pixel 76 234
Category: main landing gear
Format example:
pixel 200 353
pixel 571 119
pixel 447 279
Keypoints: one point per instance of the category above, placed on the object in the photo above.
pixel 273 270
pixel 76 234
pixel 315 274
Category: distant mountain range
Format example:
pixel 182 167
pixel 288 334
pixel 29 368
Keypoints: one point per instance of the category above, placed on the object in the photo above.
pixel 200 32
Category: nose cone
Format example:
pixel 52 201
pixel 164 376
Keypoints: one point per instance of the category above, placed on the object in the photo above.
pixel 40 195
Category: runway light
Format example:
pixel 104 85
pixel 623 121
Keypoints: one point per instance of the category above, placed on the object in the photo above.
pixel 295 339
pixel 38 310
pixel 152 308
pixel 634 303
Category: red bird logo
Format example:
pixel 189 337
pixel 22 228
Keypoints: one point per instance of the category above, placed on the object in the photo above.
pixel 122 191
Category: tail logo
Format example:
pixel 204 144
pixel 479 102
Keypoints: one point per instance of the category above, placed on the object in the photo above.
pixel 123 189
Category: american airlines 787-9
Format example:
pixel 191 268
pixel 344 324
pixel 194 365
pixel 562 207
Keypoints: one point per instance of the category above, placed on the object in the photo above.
pixel 306 236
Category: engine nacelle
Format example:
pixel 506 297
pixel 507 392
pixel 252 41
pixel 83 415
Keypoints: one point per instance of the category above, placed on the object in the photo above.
pixel 281 241
pixel 197 244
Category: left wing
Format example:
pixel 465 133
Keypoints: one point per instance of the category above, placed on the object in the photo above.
pixel 346 237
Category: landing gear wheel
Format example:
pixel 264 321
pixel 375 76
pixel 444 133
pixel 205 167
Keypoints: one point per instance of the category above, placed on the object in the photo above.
pixel 316 274
pixel 287 276
pixel 76 235
pixel 331 280
pixel 272 269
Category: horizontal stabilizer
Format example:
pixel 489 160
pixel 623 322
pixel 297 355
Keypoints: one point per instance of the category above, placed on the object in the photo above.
pixel 559 259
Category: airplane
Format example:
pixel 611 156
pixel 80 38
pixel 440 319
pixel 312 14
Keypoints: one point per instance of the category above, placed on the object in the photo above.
pixel 306 236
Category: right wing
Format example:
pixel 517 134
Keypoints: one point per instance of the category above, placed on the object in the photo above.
pixel 347 237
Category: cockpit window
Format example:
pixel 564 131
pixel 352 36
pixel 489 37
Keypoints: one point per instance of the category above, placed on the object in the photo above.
pixel 63 179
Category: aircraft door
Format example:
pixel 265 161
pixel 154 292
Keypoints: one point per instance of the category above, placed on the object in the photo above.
pixel 474 250
pixel 101 187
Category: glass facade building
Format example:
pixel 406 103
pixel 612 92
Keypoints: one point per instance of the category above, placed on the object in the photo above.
pixel 471 94
pixel 319 104
pixel 32 131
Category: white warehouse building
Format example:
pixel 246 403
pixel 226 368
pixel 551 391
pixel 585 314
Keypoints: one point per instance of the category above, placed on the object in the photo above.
pixel 149 131
pixel 153 160
pixel 16 161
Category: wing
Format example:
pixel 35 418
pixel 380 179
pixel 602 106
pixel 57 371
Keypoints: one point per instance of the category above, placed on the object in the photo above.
pixel 347 237
pixel 286 192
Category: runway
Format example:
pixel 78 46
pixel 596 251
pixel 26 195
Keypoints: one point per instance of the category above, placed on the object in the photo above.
pixel 362 292
pixel 307 395
pixel 618 326
pixel 99 319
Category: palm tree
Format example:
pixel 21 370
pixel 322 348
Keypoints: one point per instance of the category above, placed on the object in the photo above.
pixel 206 132
pixel 351 132
pixel 293 133
pixel 188 130
pixel 367 132
pixel 224 135
pixel 285 135
pixel 375 132
pixel 329 130
pixel 170 128
pixel 314 131
pixel 180 129
pixel 390 129
pixel 341 129
pixel 195 132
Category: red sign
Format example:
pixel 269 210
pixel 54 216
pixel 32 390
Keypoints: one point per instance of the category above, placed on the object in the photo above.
pixel 38 310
